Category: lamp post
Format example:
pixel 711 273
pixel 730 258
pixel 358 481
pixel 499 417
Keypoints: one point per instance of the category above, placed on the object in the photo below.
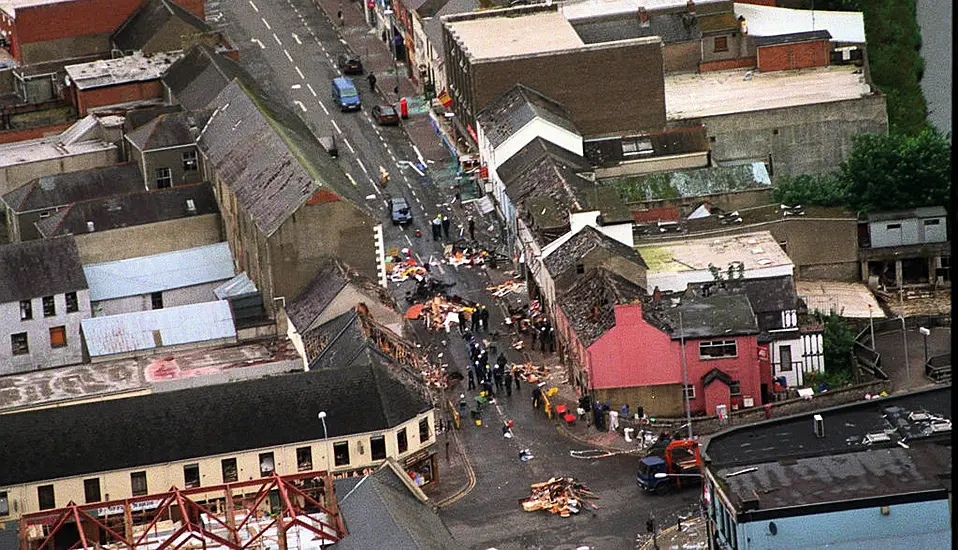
pixel 904 340
pixel 322 418
pixel 871 326
pixel 925 333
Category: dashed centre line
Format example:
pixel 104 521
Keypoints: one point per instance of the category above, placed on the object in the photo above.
pixel 254 6
pixel 346 141
pixel 296 38
pixel 285 51
pixel 311 90
pixel 300 73
pixel 363 166
pixel 276 38
pixel 323 106
pixel 265 23
pixel 335 125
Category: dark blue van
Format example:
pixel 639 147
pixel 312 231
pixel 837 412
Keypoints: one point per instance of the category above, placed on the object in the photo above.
pixel 345 94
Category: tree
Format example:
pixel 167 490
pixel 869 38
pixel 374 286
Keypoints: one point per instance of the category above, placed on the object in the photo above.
pixel 838 340
pixel 821 190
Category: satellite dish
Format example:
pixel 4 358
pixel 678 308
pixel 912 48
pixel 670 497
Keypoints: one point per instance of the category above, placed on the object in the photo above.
pixel 772 528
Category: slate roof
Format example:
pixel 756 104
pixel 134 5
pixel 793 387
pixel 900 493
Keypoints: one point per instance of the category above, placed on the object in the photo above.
pixel 791 38
pixel 40 268
pixel 379 507
pixel 160 272
pixel 138 117
pixel 168 130
pixel 766 295
pixel 532 153
pixel 704 316
pixel 69 187
pixel 198 422
pixel 589 304
pixel 579 245
pixel 670 27
pixel 130 209
pixel 201 74
pixel 144 23
pixel 312 301
pixel 519 105
pixel 269 158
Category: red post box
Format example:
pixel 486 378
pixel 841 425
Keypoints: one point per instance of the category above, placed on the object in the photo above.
pixel 403 108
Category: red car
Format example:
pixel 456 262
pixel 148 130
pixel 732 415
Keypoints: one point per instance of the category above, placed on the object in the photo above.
pixel 385 115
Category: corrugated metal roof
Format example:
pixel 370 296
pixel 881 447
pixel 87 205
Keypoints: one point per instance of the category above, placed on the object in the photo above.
pixel 237 286
pixel 159 272
pixel 174 326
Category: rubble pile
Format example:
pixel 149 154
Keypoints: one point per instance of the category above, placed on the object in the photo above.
pixel 465 256
pixel 531 373
pixel 505 288
pixel 560 495
pixel 436 311
pixel 401 270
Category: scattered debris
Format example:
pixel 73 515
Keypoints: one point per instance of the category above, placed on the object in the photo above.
pixel 560 495
pixel 525 455
pixel 531 373
pixel 505 288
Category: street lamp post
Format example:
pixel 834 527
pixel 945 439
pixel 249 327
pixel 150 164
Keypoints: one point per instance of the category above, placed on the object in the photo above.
pixel 322 418
pixel 904 340
pixel 871 325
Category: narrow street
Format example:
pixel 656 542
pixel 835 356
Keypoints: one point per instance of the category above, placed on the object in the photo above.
pixel 290 47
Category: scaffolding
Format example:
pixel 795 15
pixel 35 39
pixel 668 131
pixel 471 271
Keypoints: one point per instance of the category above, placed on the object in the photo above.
pixel 293 512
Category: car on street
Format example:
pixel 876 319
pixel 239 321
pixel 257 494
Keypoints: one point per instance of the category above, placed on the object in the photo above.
pixel 400 213
pixel 385 115
pixel 349 64
pixel 345 94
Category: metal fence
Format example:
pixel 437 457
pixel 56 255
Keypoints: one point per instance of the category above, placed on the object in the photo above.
pixel 938 368
pixel 867 357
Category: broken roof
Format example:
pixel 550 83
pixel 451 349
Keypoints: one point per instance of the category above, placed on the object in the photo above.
pixel 589 304
pixel 121 70
pixel 130 209
pixel 269 158
pixel 766 295
pixel 312 301
pixel 201 74
pixel 168 130
pixel 534 152
pixel 581 244
pixel 138 29
pixel 69 187
pixel 502 117
pixel 40 268
pixel 708 316
pixel 791 38
pixel 693 183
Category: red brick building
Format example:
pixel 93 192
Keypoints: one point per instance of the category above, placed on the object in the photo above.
pixel 793 51
pixel 625 347
pixel 116 81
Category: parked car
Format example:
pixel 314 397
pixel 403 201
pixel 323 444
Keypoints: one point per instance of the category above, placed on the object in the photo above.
pixel 400 212
pixel 385 115
pixel 349 64
pixel 345 94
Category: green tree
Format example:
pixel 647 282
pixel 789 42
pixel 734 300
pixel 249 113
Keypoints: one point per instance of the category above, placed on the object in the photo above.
pixel 821 190
pixel 838 341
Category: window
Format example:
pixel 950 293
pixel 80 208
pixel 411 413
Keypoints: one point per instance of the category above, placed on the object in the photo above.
pixel 637 146
pixel 377 446
pixel 189 161
pixel 690 391
pixel 4 504
pixel 304 459
pixel 230 473
pixel 73 305
pixel 46 497
pixel 91 490
pixel 401 442
pixel 892 226
pixel 164 178
pixel 58 337
pixel 716 349
pixel 734 388
pixel 26 310
pixel 932 222
pixel 19 344
pixel 156 300
pixel 721 44
pixel 785 358
pixel 49 306
pixel 138 483
pixel 579 269
pixel 341 453
pixel 191 475
pixel 423 430
pixel 266 464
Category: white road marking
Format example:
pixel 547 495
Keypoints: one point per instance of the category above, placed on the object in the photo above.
pixel 351 180
pixel 346 141
pixel 300 104
pixel 296 38
pixel 300 73
pixel 288 56
pixel 392 156
pixel 407 239
pixel 344 42
pixel 336 126
pixel 419 155
pixel 311 90
pixel 276 38
pixel 296 86
pixel 254 6
pixel 413 192
pixel 257 41
pixel 363 166
pixel 265 23
pixel 323 106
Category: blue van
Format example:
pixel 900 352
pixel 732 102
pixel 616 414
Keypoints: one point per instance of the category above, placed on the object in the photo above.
pixel 345 94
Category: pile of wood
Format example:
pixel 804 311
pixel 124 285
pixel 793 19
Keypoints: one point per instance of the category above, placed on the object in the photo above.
pixel 531 373
pixel 560 495
pixel 505 288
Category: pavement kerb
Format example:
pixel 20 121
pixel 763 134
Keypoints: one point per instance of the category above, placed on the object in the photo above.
pixel 470 473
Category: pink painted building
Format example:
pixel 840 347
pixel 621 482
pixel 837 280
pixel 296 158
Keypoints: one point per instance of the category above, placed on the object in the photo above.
pixel 625 347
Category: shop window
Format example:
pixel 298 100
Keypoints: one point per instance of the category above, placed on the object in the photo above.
pixel 191 475
pixel 424 430
pixel 690 391
pixel 156 300
pixel 91 490
pixel 304 459
pixel 401 442
pixel 26 310
pixel 230 474
pixel 4 504
pixel 721 44
pixel 164 178
pixel 73 305
pixel 266 464
pixel 19 343
pixel 341 453
pixel 49 306
pixel 46 497
pixel 718 348
pixel 377 446
pixel 734 388
pixel 58 337
pixel 138 483
pixel 189 161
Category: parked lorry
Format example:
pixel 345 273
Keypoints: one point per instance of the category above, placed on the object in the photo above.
pixel 678 464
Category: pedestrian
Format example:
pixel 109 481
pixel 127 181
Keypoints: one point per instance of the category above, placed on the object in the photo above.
pixel 546 337
pixel 445 227
pixel 598 419
pixel 502 361
pixel 534 328
pixel 484 318
pixel 497 377
pixel 471 372
pixel 339 15
pixel 516 377
pixel 472 229
pixel 372 82
pixel 437 228
pixel 536 397
pixel 625 411
pixel 507 381
pixel 475 319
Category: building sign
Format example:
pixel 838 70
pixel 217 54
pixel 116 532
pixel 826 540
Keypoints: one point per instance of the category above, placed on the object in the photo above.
pixel 140 506
pixel 416 457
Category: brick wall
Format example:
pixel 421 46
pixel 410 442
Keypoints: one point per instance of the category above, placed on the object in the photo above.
pixel 726 64
pixel 112 95
pixel 10 136
pixel 800 55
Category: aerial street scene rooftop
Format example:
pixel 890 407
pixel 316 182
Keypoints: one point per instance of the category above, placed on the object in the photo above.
pixel 475 274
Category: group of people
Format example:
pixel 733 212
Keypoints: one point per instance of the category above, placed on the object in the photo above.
pixel 491 379
pixel 543 334
pixel 440 227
